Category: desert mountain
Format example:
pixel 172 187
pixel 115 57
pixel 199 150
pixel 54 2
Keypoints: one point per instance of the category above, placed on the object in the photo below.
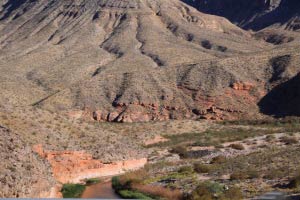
pixel 134 60
pixel 256 14
pixel 65 65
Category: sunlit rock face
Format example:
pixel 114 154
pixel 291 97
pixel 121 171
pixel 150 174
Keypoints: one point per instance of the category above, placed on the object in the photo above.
pixel 76 166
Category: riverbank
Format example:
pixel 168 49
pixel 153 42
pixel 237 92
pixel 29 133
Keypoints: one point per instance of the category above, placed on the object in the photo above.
pixel 100 188
pixel 75 167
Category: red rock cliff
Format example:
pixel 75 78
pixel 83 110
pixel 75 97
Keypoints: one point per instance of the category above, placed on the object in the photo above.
pixel 75 166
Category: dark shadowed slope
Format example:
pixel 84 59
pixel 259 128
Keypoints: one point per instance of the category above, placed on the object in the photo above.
pixel 254 14
pixel 283 100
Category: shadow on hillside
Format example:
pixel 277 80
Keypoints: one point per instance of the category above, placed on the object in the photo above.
pixel 285 11
pixel 249 14
pixel 10 6
pixel 295 197
pixel 283 100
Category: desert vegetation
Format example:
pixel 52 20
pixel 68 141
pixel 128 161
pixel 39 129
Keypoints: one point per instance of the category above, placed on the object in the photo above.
pixel 235 155
pixel 72 190
pixel 209 151
pixel 133 185
pixel 213 137
pixel 213 190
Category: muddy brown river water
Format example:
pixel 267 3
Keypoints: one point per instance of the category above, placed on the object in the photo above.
pixel 102 190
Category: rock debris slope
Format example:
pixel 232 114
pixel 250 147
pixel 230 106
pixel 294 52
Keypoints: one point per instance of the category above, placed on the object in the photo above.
pixel 132 60
pixel 23 174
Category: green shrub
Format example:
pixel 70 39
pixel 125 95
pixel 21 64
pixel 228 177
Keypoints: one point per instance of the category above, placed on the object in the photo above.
pixel 125 190
pixel 128 194
pixel 116 185
pixel 72 190
pixel 214 187
pixel 92 181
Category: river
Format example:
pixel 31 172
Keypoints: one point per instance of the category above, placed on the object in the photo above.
pixel 102 190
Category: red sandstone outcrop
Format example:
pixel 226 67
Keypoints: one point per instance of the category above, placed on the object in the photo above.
pixel 242 86
pixel 146 113
pixel 137 113
pixel 226 106
pixel 75 166
pixel 134 112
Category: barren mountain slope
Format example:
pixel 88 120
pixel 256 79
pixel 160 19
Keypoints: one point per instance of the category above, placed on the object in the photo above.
pixel 136 60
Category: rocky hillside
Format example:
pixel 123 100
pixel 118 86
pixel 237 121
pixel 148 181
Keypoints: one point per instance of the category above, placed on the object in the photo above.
pixel 23 173
pixel 254 14
pixel 126 61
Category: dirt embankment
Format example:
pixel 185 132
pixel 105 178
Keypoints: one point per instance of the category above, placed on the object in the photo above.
pixel 76 166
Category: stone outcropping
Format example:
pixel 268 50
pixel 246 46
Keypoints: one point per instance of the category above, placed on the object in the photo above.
pixel 205 107
pixel 242 86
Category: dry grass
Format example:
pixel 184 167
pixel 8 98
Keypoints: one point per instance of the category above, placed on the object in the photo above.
pixel 159 191
pixel 289 140
pixel 214 136
pixel 137 176
pixel 238 176
pixel 214 190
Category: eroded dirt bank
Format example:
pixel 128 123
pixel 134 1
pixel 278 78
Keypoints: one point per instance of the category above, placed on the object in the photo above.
pixel 76 166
